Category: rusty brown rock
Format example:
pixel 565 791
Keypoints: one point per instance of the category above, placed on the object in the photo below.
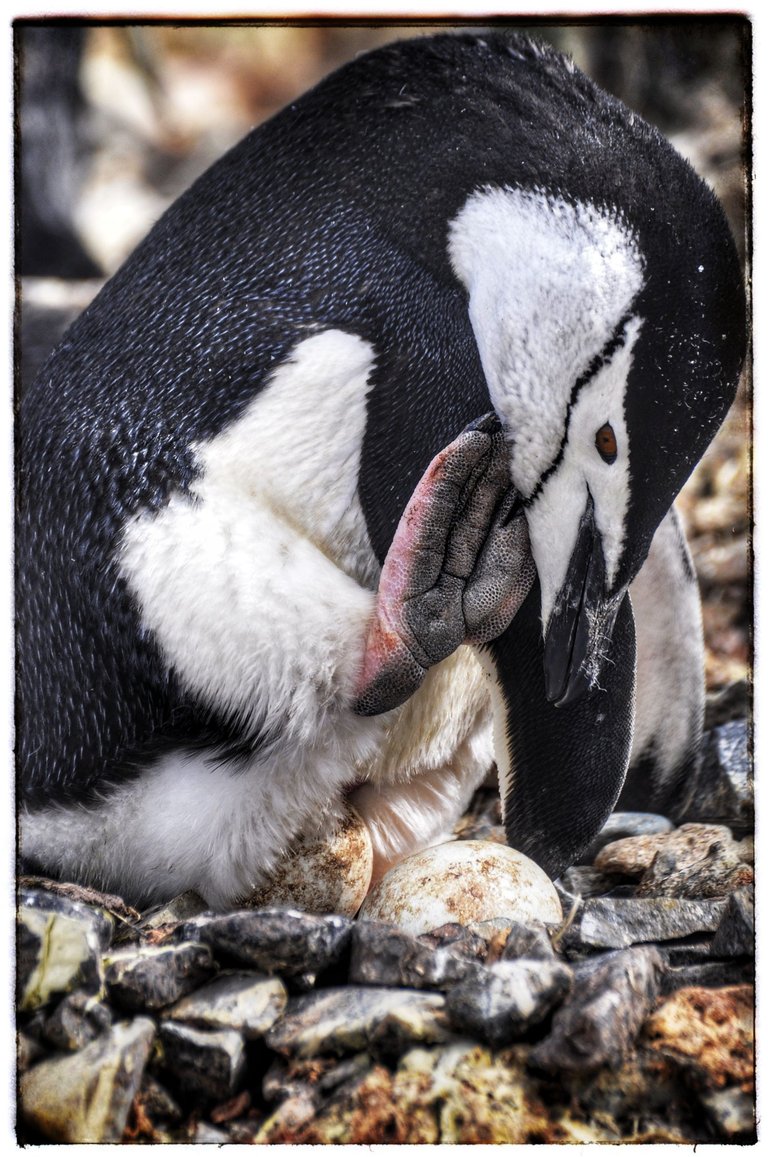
pixel 690 843
pixel 697 861
pixel 709 1032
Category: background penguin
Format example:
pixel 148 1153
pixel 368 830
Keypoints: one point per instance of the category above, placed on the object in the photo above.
pixel 215 462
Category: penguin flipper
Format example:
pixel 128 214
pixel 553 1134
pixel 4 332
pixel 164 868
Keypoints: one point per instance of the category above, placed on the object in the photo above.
pixel 457 570
pixel 560 768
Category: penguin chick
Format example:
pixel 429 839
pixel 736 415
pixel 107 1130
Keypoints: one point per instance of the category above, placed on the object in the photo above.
pixel 261 414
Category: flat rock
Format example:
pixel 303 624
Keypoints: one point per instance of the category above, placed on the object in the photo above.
pixel 243 1001
pixel 697 861
pixel 510 997
pixel 86 1097
pixel 324 875
pixel 466 881
pixel 202 1063
pixel 735 935
pixel 274 940
pixel 722 790
pixel 708 974
pixel 77 1020
pixel 339 1020
pixel 620 922
pixel 598 1023
pixel 154 977
pixel 620 825
pixel 60 942
pixel 385 954
pixel 708 1033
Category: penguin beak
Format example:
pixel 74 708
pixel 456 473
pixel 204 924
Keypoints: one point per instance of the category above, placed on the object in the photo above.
pixel 582 619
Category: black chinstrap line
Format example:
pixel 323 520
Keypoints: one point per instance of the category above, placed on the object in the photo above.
pixel 611 347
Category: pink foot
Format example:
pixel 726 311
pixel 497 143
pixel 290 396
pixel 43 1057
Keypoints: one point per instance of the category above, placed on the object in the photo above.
pixel 457 571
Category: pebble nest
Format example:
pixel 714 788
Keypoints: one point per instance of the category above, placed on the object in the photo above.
pixel 631 1019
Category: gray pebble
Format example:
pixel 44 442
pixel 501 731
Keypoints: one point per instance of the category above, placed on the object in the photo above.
pixel 385 954
pixel 180 908
pixel 274 939
pixel 597 1025
pixel 53 903
pixel 512 996
pixel 201 1063
pixel 722 790
pixel 207 1134
pixel 339 1020
pixel 529 940
pixel 732 1112
pixel 708 974
pixel 86 1096
pixel 152 978
pixel 77 1020
pixel 622 824
pixel 735 935
pixel 60 942
pixel 29 1050
pixel 620 922
pixel 715 873
pixel 245 1002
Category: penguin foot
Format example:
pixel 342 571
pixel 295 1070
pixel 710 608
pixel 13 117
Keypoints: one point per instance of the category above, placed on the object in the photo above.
pixel 457 571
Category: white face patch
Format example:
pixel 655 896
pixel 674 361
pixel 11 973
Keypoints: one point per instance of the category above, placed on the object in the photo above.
pixel 554 515
pixel 548 283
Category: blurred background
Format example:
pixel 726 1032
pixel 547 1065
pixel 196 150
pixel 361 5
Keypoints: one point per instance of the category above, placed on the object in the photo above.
pixel 115 121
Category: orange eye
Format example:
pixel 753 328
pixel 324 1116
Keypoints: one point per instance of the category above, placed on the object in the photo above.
pixel 605 441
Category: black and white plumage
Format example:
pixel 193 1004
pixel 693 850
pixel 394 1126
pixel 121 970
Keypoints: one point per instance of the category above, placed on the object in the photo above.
pixel 215 461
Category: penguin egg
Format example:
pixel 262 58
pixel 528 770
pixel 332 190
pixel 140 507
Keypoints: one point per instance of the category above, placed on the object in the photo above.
pixel 322 875
pixel 462 882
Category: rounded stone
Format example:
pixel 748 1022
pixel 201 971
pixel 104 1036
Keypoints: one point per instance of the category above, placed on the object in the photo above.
pixel 322 875
pixel 463 882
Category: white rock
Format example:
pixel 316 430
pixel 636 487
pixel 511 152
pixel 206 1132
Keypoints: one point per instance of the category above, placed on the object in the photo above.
pixel 463 882
pixel 323 875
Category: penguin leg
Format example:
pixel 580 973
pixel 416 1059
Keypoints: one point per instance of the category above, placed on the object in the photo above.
pixel 669 712
pixel 560 768
pixel 457 570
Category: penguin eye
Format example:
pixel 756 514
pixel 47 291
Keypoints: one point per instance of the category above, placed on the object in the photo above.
pixel 605 441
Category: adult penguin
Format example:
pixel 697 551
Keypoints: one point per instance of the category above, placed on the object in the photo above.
pixel 423 361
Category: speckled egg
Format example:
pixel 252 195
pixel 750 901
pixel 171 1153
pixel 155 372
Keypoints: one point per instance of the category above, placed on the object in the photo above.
pixel 324 875
pixel 463 882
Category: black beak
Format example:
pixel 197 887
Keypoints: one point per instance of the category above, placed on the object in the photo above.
pixel 582 620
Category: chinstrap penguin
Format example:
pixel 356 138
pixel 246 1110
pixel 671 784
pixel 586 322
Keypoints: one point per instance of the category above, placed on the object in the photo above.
pixel 340 484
